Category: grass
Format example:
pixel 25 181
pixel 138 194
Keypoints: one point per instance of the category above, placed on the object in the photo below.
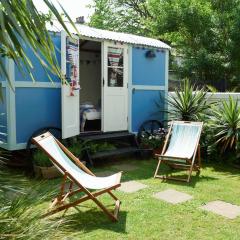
pixel 144 217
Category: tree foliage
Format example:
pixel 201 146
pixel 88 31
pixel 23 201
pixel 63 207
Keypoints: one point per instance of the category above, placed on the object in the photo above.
pixel 204 33
pixel 120 15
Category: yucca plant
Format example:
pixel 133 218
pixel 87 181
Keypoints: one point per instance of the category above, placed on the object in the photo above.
pixel 20 217
pixel 225 123
pixel 188 103
pixel 21 207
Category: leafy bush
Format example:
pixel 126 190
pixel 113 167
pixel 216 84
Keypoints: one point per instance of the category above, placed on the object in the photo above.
pixel 188 103
pixel 154 140
pixel 41 159
pixel 225 123
pixel 100 147
pixel 77 148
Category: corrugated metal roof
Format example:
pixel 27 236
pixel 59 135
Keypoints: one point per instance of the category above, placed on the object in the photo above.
pixel 95 33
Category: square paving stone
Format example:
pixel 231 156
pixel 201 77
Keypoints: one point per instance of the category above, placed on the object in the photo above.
pixel 173 196
pixel 225 209
pixel 125 167
pixel 131 186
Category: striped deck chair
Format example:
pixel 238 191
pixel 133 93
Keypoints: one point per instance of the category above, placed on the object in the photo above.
pixel 180 148
pixel 78 174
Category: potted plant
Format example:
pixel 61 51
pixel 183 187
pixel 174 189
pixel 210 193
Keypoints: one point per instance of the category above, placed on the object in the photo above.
pixel 153 140
pixel 43 167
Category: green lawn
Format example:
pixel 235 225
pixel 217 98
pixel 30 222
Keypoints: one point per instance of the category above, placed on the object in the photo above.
pixel 144 217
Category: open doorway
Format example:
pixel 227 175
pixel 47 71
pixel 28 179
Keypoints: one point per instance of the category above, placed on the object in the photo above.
pixel 90 81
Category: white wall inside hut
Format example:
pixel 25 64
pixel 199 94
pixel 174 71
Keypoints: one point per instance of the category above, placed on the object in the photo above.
pixel 90 73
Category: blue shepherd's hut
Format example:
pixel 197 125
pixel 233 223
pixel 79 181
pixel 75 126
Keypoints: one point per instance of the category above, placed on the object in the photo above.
pixel 114 80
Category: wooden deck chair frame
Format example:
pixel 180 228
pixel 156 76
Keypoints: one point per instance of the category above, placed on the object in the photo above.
pixel 188 164
pixel 58 204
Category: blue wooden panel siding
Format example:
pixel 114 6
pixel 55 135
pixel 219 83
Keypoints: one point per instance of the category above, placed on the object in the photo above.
pixel 3 117
pixel 38 72
pixel 148 71
pixel 145 108
pixel 36 108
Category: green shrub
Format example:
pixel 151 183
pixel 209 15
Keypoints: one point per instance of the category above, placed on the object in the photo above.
pixel 154 140
pixel 100 147
pixel 209 150
pixel 41 159
pixel 77 148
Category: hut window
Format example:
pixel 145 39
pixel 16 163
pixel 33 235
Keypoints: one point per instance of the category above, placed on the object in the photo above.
pixel 115 67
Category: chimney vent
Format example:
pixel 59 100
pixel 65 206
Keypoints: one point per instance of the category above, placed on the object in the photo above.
pixel 80 20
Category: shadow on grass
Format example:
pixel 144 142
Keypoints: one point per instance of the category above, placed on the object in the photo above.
pixel 146 171
pixel 91 220
pixel 195 179
pixel 224 168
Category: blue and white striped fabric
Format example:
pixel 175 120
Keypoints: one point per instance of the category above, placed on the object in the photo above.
pixel 183 141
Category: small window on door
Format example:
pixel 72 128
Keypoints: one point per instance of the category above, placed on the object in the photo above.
pixel 115 67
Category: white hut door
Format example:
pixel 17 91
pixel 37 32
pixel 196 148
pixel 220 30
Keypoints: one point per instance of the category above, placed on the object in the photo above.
pixel 70 88
pixel 115 84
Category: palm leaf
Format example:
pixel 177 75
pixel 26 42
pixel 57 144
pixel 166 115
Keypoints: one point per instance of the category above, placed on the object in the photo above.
pixel 23 26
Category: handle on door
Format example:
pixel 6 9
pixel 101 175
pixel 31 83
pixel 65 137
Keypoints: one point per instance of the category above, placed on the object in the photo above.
pixel 103 82
pixel 133 90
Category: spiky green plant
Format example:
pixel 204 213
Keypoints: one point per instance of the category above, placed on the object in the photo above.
pixel 19 217
pixel 225 123
pixel 188 102
pixel 20 214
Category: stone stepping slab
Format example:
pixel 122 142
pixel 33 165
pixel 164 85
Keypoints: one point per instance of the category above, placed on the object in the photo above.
pixel 172 196
pixel 225 209
pixel 131 186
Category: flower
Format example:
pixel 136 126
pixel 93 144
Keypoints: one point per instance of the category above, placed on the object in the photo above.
pixel 153 140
